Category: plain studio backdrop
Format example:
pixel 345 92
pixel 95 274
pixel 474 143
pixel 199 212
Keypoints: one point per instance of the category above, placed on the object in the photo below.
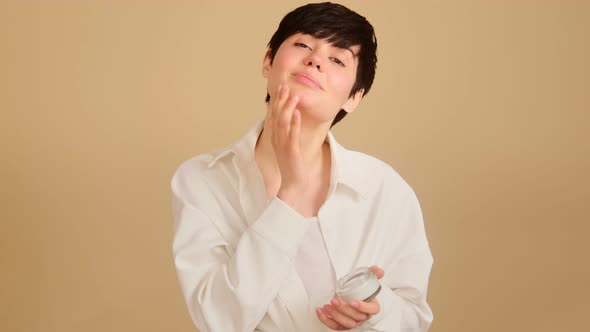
pixel 482 106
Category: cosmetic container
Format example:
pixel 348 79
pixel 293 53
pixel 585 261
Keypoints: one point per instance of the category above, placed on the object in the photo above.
pixel 360 284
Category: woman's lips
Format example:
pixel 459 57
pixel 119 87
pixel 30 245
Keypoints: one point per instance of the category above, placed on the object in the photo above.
pixel 307 80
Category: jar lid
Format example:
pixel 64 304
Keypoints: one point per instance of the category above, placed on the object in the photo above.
pixel 360 284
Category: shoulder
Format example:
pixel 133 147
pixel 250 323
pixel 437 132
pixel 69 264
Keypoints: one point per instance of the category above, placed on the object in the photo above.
pixel 377 176
pixel 195 175
pixel 194 168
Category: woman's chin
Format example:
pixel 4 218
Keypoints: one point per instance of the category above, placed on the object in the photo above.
pixel 314 116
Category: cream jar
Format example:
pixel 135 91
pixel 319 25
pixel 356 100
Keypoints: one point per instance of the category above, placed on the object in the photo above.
pixel 360 284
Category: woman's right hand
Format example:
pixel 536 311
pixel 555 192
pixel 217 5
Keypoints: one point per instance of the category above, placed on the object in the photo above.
pixel 285 123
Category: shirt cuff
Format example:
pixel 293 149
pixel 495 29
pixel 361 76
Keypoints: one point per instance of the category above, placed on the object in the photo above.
pixel 389 316
pixel 282 226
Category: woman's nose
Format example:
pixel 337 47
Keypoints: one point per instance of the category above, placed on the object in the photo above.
pixel 313 60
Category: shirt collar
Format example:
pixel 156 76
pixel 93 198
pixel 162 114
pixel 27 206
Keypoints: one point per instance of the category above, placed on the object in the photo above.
pixel 242 148
pixel 345 168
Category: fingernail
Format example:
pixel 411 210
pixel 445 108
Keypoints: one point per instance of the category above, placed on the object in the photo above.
pixel 335 302
pixel 354 304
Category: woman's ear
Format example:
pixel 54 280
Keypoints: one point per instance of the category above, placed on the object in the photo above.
pixel 352 102
pixel 266 65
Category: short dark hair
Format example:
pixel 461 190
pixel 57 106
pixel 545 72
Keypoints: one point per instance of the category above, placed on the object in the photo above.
pixel 343 28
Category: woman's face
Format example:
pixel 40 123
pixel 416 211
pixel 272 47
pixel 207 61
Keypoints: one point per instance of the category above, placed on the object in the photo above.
pixel 321 74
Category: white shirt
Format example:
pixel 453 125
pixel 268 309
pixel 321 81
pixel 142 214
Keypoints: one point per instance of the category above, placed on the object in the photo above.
pixel 235 252
pixel 313 266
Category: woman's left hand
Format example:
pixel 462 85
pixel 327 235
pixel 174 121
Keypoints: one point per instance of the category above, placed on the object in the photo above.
pixel 340 316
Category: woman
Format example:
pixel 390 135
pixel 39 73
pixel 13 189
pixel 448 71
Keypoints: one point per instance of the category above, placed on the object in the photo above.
pixel 265 226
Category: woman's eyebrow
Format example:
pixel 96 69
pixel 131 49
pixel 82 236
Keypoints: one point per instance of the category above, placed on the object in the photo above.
pixel 346 49
pixel 350 50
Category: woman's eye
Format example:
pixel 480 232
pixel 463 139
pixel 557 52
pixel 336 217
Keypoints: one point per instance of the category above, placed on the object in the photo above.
pixel 338 62
pixel 302 45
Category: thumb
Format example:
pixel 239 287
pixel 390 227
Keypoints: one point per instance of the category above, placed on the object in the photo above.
pixel 378 271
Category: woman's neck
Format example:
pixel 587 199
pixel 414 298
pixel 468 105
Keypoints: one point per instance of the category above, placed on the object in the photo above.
pixel 313 146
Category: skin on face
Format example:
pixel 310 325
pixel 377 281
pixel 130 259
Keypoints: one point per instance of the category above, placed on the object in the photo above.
pixel 319 73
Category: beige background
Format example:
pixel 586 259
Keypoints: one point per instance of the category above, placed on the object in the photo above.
pixel 482 106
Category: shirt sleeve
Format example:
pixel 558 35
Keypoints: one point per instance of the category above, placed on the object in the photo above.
pixel 404 285
pixel 231 290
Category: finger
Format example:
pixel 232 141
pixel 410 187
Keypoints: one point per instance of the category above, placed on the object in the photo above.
pixel 272 106
pixel 277 104
pixel 369 308
pixel 340 318
pixel 286 116
pixel 276 97
pixel 349 311
pixel 280 102
pixel 326 320
pixel 378 271
pixel 295 129
pixel 274 103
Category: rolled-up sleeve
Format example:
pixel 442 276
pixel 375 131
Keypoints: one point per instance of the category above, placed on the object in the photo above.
pixel 230 287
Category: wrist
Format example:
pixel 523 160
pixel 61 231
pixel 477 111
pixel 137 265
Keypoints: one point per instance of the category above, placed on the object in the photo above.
pixel 293 197
pixel 289 194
